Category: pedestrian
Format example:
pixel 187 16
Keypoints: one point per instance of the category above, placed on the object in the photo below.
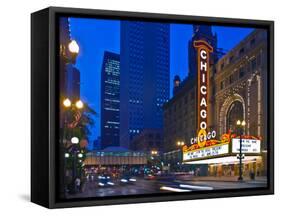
pixel 252 174
pixel 77 184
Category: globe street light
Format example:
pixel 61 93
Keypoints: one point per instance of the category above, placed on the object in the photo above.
pixel 74 140
pixel 180 143
pixel 79 104
pixel 154 152
pixel 66 155
pixel 240 124
pixel 73 47
pixel 67 102
pixel 69 52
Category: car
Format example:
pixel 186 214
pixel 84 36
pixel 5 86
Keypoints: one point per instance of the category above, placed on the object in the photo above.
pixel 105 180
pixel 127 179
pixel 149 177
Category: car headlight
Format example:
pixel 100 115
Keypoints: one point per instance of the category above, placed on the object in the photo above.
pixel 101 184
pixel 132 180
pixel 124 180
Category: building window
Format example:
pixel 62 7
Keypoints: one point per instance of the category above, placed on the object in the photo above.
pixel 222 85
pixel 259 60
pixel 222 66
pixel 230 59
pixel 185 100
pixel 241 51
pixel 254 65
pixel 214 90
pixel 253 41
pixel 241 72
pixel 231 79
pixel 192 95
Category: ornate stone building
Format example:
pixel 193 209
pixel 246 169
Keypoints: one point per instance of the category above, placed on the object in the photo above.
pixel 239 84
pixel 237 91
pixel 180 116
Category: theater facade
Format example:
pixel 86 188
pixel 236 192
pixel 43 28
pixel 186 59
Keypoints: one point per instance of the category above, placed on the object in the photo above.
pixel 204 113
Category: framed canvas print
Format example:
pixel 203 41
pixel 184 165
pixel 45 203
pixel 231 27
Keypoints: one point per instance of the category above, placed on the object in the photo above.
pixel 138 107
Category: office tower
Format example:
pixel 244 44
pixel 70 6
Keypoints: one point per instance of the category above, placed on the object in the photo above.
pixel 145 74
pixel 110 99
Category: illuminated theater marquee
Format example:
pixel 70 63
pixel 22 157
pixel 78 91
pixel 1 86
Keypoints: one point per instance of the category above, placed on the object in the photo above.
pixel 203 52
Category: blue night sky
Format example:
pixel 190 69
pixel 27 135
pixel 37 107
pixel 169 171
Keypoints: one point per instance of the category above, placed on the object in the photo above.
pixel 94 36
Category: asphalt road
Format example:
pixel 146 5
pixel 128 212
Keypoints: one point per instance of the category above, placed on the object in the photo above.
pixel 142 186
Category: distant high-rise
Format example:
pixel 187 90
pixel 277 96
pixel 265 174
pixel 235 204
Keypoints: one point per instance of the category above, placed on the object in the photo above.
pixel 145 74
pixel 201 32
pixel 110 99
pixel 72 84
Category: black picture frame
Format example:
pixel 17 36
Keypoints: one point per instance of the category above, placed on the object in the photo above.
pixel 44 107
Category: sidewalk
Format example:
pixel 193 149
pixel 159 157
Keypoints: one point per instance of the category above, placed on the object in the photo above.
pixel 258 179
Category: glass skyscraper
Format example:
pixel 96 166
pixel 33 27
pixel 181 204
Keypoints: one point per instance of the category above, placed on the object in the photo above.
pixel 110 99
pixel 144 77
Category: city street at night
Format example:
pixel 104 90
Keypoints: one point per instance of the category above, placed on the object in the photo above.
pixel 156 127
pixel 143 186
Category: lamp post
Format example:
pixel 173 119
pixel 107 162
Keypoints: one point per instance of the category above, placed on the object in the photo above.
pixel 240 125
pixel 68 54
pixel 180 144
pixel 154 153
pixel 74 153
pixel 68 106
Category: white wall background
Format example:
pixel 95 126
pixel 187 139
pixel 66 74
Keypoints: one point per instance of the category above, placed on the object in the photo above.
pixel 15 106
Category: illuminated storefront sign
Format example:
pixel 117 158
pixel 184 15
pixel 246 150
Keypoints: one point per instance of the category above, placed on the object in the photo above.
pixel 215 150
pixel 203 53
pixel 248 145
pixel 203 137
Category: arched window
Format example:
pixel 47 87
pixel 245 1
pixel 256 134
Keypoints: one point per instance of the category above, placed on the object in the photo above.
pixel 234 113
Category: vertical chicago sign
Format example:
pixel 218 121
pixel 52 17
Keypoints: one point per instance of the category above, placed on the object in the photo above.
pixel 203 58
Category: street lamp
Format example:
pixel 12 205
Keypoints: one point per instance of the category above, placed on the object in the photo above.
pixel 73 47
pixel 79 104
pixel 80 155
pixel 180 144
pixel 153 152
pixel 69 52
pixel 74 140
pixel 240 124
pixel 68 103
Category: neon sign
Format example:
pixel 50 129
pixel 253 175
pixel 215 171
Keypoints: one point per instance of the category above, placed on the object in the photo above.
pixel 203 54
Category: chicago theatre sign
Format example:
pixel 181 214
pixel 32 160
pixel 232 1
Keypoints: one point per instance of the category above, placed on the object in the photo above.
pixel 203 53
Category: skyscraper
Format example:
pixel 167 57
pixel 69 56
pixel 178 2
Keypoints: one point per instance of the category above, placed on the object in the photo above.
pixel 110 99
pixel 72 84
pixel 145 73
